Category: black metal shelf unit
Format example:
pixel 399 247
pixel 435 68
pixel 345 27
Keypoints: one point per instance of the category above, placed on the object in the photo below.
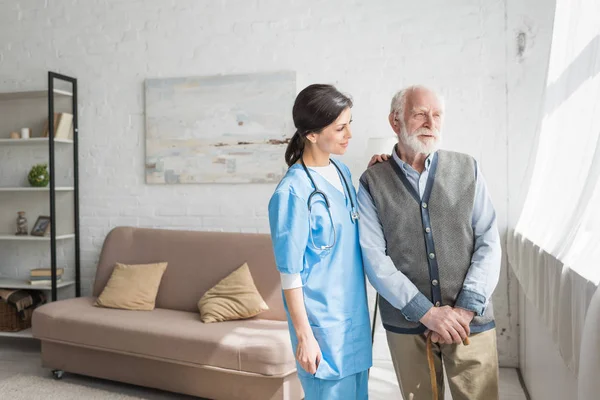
pixel 52 76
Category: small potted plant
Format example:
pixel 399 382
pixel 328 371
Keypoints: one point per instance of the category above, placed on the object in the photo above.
pixel 39 175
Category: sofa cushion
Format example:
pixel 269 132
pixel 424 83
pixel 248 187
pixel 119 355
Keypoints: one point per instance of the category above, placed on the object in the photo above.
pixel 132 287
pixel 252 345
pixel 234 297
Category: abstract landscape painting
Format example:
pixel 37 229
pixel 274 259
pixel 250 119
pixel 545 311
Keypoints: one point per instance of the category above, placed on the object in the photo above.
pixel 218 129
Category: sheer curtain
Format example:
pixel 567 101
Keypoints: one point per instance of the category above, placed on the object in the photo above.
pixel 555 247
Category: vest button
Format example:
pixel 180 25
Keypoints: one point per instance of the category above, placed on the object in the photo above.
pixel 431 255
pixel 424 205
pixel 428 230
pixel 437 303
pixel 434 282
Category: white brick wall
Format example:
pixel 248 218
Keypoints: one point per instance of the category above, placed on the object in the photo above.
pixel 367 48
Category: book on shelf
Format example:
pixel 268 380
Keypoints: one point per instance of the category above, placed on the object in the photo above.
pixel 56 119
pixel 45 271
pixel 63 126
pixel 44 278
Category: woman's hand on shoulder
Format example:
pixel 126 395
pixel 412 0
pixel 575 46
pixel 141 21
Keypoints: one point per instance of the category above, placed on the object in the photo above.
pixel 378 158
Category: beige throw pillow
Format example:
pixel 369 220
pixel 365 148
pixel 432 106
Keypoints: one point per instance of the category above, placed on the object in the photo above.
pixel 234 297
pixel 132 287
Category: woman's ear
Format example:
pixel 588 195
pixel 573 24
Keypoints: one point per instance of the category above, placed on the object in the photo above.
pixel 312 137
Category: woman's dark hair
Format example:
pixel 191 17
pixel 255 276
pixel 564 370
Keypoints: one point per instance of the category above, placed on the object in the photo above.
pixel 315 108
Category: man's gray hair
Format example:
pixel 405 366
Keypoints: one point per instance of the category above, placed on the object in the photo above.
pixel 398 105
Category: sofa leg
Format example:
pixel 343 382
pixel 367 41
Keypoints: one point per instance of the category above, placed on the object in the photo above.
pixel 58 373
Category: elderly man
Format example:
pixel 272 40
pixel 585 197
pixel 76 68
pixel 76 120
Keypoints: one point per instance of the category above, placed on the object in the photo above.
pixel 432 251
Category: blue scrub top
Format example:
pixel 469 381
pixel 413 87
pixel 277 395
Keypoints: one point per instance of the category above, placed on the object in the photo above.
pixel 333 280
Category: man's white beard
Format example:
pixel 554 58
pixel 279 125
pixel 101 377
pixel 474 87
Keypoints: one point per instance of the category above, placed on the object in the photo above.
pixel 413 143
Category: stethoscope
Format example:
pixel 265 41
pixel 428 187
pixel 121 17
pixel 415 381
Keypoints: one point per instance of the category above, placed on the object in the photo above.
pixel 317 191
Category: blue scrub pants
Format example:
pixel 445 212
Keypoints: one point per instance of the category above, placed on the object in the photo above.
pixel 353 387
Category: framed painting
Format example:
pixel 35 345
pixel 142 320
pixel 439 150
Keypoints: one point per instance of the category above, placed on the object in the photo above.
pixel 218 129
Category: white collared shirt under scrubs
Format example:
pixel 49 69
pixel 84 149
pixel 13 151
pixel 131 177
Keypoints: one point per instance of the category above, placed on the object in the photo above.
pixel 332 280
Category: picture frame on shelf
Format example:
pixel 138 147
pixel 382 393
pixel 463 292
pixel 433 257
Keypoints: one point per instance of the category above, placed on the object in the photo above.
pixel 41 226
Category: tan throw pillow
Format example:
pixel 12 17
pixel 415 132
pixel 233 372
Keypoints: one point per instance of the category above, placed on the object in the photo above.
pixel 132 287
pixel 234 297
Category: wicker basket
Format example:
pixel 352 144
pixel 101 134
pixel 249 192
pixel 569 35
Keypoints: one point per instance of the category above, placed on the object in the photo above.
pixel 10 320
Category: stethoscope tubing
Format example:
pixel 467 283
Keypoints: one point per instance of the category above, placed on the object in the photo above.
pixel 316 192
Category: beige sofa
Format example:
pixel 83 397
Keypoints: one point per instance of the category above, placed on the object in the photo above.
pixel 170 348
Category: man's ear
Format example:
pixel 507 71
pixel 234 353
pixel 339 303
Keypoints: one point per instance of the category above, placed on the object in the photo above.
pixel 394 123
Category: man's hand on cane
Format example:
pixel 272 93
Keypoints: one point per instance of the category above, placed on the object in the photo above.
pixel 464 317
pixel 448 325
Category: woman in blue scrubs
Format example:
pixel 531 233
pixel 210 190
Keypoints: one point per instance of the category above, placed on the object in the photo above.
pixel 314 229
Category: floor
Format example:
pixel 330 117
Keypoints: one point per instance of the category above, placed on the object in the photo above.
pixel 21 356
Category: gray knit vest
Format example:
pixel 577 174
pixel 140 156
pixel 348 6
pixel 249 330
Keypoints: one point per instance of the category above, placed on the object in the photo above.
pixel 430 240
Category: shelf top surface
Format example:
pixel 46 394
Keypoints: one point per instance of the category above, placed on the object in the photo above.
pixel 32 94
pixel 35 189
pixel 35 140
pixel 25 333
pixel 9 236
pixel 23 284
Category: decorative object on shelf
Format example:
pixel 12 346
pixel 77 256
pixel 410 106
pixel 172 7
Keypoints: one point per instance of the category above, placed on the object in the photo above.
pixel 218 129
pixel 25 133
pixel 42 226
pixel 21 224
pixel 15 135
pixel 39 175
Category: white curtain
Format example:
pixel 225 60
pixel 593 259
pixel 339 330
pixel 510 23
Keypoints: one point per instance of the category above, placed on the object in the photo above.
pixel 555 247
pixel 588 385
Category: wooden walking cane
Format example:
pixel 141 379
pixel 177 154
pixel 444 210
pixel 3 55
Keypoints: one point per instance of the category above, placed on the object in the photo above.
pixel 431 364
